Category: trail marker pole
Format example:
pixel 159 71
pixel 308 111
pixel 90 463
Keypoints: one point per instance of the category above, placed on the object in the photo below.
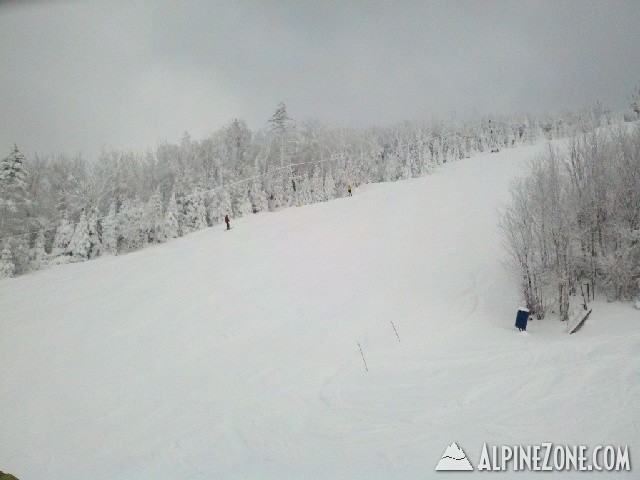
pixel 365 362
pixel 394 329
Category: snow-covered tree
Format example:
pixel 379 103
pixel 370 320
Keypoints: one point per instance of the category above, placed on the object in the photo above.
pixel 171 226
pixel 61 241
pixel 280 120
pixel 406 170
pixel 575 218
pixel 329 186
pixel 304 191
pixel 95 240
pixel 154 217
pixel 277 195
pixel 130 225
pixel 258 197
pixel 80 244
pixel 316 186
pixel 39 256
pixel 237 138
pixel 7 267
pixel 13 198
pixel 224 204
pixel 195 216
pixel 213 208
pixel 282 150
pixel 391 167
pixel 240 203
pixel 110 231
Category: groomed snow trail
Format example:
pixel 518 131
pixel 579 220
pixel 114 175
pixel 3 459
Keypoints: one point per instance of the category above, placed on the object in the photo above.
pixel 234 354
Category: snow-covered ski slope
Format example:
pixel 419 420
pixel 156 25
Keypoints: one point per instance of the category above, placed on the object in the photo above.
pixel 235 354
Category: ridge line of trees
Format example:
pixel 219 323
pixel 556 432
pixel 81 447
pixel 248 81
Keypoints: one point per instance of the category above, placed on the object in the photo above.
pixel 63 209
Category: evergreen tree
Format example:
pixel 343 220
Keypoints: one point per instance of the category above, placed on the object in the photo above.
pixel 20 250
pixel 179 190
pixel 290 190
pixel 240 204
pixel 195 212
pixel 7 267
pixel 95 242
pixel 39 257
pixel 110 231
pixel 12 192
pixel 237 138
pixel 213 209
pixel 280 119
pixel 405 170
pixel 277 197
pixel 316 186
pixel 188 219
pixel 304 191
pixel 391 167
pixel 200 210
pixel 64 233
pixel 80 245
pixel 154 218
pixel 279 123
pixel 329 186
pixel 130 225
pixel 171 227
pixel 258 197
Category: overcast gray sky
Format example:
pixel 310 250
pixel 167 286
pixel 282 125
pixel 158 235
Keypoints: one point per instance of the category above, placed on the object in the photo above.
pixel 80 76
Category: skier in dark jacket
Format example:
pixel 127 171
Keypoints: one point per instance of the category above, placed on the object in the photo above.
pixel 226 220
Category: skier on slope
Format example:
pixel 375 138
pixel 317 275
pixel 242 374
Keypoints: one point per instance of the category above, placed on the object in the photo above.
pixel 349 190
pixel 227 221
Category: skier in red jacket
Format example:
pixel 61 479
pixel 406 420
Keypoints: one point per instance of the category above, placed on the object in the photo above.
pixel 226 220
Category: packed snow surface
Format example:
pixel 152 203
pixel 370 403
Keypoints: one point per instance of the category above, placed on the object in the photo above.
pixel 234 354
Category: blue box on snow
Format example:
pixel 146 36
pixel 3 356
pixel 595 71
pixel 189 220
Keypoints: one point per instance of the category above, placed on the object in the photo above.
pixel 522 318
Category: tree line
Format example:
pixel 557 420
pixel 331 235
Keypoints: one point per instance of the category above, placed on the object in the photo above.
pixel 60 209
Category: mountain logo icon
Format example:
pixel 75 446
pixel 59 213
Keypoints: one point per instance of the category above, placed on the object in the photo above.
pixel 453 459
